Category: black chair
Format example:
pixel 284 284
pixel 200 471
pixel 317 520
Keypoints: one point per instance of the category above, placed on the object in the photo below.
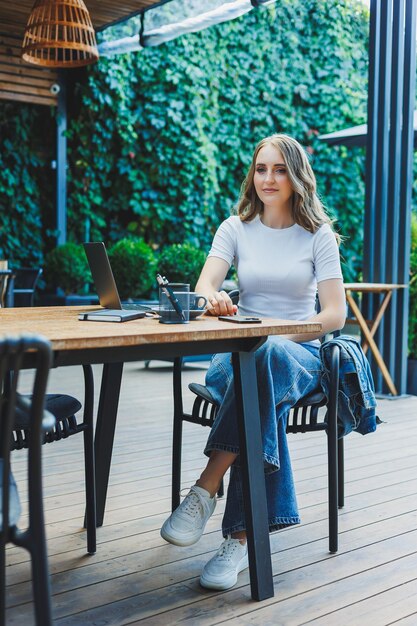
pixel 25 281
pixel 303 418
pixel 12 353
pixel 6 287
pixel 63 408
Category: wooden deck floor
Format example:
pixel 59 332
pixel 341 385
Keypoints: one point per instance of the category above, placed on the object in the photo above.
pixel 137 578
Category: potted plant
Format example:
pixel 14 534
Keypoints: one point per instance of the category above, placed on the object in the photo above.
pixel 67 272
pixel 134 267
pixel 181 263
pixel 412 322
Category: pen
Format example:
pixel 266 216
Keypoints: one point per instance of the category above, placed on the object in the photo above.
pixel 164 284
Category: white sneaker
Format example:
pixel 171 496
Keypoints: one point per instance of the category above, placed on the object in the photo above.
pixel 222 569
pixel 186 524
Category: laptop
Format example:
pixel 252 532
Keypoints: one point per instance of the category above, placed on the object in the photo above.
pixel 104 282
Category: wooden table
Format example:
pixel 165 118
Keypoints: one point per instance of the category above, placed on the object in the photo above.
pixel 74 342
pixel 386 290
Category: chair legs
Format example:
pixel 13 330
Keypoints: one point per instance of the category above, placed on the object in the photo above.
pixel 2 579
pixel 40 577
pixel 341 473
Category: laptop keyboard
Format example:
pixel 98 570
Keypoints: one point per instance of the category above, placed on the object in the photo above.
pixel 134 306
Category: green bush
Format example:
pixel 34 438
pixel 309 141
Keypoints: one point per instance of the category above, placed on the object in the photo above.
pixel 181 263
pixel 66 267
pixel 412 326
pixel 134 267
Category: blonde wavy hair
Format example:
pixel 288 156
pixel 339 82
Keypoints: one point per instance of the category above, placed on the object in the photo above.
pixel 307 209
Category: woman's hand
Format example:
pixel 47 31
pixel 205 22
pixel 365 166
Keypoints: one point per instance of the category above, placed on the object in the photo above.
pixel 219 303
pixel 211 278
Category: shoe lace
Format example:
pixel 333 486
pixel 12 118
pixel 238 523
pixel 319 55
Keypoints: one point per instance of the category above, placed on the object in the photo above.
pixel 191 504
pixel 228 548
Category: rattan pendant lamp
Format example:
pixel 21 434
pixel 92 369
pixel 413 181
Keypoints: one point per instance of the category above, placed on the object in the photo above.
pixel 59 33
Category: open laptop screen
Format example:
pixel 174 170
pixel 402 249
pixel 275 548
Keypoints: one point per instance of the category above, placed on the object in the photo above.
pixel 101 271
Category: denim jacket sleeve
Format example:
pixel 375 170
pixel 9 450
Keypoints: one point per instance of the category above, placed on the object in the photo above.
pixel 356 395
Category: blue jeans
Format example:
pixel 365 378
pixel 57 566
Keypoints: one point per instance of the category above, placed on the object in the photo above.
pixel 286 371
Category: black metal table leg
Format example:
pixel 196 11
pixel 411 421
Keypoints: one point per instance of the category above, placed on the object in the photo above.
pixel 253 479
pixel 105 427
pixel 333 451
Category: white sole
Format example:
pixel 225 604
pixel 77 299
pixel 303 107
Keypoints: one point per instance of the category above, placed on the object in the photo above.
pixel 182 543
pixel 225 584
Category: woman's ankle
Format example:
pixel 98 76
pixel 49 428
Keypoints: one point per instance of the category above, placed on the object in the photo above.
pixel 241 535
pixel 212 488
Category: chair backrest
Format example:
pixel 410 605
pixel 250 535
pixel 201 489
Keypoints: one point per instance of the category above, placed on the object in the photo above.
pixel 26 279
pixel 16 353
pixel 6 278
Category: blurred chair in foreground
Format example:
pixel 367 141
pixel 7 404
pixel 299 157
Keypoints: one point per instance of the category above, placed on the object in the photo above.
pixel 13 352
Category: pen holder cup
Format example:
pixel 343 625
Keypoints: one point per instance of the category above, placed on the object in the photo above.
pixel 175 310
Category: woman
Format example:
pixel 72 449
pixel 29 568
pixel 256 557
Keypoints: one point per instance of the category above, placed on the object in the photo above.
pixel 285 252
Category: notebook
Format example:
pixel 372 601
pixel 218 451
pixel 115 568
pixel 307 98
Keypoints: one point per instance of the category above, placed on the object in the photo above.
pixel 104 282
pixel 110 315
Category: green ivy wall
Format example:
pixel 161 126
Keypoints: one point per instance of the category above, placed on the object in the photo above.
pixel 163 138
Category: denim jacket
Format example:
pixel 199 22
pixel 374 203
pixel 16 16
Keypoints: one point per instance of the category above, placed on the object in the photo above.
pixel 356 396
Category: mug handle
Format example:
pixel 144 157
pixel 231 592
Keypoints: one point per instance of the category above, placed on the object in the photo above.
pixel 200 308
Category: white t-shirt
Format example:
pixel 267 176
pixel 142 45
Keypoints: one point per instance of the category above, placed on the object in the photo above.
pixel 278 269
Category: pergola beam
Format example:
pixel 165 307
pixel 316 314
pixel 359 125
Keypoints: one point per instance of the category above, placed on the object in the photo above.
pixel 156 37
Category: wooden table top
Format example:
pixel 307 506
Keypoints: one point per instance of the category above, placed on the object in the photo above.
pixel 373 287
pixel 61 326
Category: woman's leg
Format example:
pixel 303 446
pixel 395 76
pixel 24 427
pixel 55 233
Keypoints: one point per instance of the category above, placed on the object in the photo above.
pixel 286 371
pixel 211 477
pixel 217 466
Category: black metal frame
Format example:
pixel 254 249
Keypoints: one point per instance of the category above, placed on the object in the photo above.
pixel 12 352
pixel 62 427
pixel 23 290
pixel 303 418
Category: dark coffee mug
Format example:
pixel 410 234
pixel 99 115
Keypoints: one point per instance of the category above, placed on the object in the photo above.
pixel 197 301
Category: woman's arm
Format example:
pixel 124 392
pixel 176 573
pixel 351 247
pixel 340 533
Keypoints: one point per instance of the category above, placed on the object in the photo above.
pixel 211 279
pixel 333 310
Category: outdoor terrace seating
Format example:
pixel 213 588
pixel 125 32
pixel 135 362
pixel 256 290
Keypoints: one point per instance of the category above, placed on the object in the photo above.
pixel 135 577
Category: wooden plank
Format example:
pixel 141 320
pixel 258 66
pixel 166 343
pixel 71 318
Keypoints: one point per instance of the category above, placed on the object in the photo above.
pixel 30 90
pixel 185 600
pixel 16 63
pixel 410 620
pixel 31 99
pixel 62 327
pixel 382 608
pixel 310 539
pixel 29 81
pixel 373 287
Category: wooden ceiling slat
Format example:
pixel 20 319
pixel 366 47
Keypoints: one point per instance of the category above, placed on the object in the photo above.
pixel 17 76
pixel 30 81
pixel 18 67
pixel 27 97
pixel 13 86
